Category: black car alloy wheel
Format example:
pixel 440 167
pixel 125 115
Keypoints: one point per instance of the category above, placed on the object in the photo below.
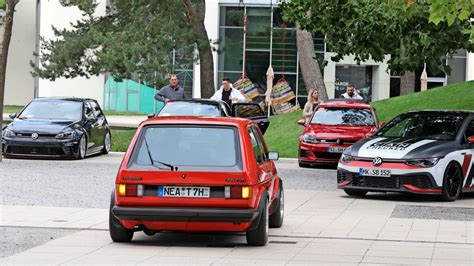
pixel 452 182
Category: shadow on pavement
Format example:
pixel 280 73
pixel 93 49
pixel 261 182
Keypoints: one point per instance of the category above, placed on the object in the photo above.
pixel 391 196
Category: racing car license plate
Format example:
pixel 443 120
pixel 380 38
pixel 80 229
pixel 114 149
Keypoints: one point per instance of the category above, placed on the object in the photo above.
pixel 375 172
pixel 184 192
pixel 336 149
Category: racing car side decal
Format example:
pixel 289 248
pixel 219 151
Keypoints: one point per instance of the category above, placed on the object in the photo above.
pixel 395 148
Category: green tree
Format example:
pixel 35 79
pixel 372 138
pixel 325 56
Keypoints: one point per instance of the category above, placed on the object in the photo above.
pixel 134 37
pixel 375 28
pixel 452 11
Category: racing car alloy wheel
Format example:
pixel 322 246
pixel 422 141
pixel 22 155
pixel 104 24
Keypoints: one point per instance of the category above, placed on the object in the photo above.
pixel 355 193
pixel 276 218
pixel 117 232
pixel 452 182
pixel 259 236
pixel 82 148
pixel 107 142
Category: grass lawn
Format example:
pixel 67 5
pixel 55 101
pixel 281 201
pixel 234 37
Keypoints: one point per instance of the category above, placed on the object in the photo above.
pixel 9 109
pixel 282 135
pixel 455 96
pixel 121 139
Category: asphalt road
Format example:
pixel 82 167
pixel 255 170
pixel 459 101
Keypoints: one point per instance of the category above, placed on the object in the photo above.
pixel 88 183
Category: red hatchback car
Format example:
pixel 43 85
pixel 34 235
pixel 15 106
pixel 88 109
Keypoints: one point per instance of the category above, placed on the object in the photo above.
pixel 197 174
pixel 334 126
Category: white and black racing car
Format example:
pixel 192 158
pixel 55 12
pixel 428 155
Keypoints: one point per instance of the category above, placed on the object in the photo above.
pixel 423 152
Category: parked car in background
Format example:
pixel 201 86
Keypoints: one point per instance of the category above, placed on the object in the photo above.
pixel 57 127
pixel 212 108
pixel 334 126
pixel 421 152
pixel 196 174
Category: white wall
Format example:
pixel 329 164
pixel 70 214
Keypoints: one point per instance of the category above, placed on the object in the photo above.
pixel 52 13
pixel 380 75
pixel 470 66
pixel 19 85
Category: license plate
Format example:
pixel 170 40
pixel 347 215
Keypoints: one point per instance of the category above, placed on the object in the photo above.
pixel 375 172
pixel 183 192
pixel 336 149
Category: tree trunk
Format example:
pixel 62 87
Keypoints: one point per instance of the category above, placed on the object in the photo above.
pixel 407 83
pixel 8 26
pixel 312 75
pixel 196 13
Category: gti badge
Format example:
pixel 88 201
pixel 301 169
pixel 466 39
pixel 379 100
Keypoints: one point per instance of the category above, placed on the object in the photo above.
pixel 34 136
pixel 377 161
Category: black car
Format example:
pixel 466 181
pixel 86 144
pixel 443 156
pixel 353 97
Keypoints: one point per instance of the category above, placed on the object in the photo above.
pixel 212 108
pixel 57 127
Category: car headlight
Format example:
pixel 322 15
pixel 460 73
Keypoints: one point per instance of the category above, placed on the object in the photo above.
pixel 8 133
pixel 307 138
pixel 346 158
pixel 423 162
pixel 66 135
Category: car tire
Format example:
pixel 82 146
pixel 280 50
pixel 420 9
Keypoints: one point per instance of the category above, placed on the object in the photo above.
pixel 82 148
pixel 452 182
pixel 355 193
pixel 276 218
pixel 259 236
pixel 107 143
pixel 117 232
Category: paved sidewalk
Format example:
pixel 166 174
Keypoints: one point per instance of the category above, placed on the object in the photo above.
pixel 320 227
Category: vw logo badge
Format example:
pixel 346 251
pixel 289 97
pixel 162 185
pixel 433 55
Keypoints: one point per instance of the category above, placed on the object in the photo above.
pixel 183 176
pixel 339 142
pixel 34 136
pixel 377 161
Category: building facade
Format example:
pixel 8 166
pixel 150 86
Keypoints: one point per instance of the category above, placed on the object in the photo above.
pixel 268 40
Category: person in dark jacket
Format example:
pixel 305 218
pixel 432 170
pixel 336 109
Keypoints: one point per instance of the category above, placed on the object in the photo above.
pixel 171 92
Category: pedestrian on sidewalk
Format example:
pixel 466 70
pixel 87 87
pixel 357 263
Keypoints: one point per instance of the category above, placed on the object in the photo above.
pixel 311 104
pixel 228 94
pixel 171 92
pixel 351 93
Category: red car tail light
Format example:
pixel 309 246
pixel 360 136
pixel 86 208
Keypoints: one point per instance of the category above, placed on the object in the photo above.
pixel 237 192
pixel 130 190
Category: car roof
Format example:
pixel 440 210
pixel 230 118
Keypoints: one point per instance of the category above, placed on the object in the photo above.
pixel 197 120
pixel 455 112
pixel 345 103
pixel 73 99
pixel 197 100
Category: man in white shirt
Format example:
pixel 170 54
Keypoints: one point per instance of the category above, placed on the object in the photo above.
pixel 351 93
pixel 228 94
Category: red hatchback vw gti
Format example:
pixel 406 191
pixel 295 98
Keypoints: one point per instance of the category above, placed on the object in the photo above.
pixel 334 126
pixel 197 174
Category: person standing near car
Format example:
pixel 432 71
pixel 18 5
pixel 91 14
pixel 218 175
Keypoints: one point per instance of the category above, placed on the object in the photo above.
pixel 351 93
pixel 228 94
pixel 311 104
pixel 172 91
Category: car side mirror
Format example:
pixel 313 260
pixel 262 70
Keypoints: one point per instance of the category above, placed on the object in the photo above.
pixel 301 122
pixel 13 116
pixel 382 124
pixel 273 156
pixel 471 139
pixel 151 115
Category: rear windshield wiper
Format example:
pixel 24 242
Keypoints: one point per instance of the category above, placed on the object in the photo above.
pixel 173 168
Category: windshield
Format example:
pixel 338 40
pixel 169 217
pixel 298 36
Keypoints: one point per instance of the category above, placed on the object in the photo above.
pixel 187 148
pixel 53 110
pixel 438 126
pixel 343 116
pixel 190 109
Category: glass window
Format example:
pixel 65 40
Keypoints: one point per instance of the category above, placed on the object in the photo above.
pixel 260 142
pixel 394 87
pixel 232 16
pixel 258 149
pixel 258 28
pixel 188 148
pixel 95 108
pixel 284 52
pixel 439 126
pixel 278 20
pixel 359 76
pixel 343 116
pixel 53 110
pixel 231 49
pixel 190 109
pixel 458 70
